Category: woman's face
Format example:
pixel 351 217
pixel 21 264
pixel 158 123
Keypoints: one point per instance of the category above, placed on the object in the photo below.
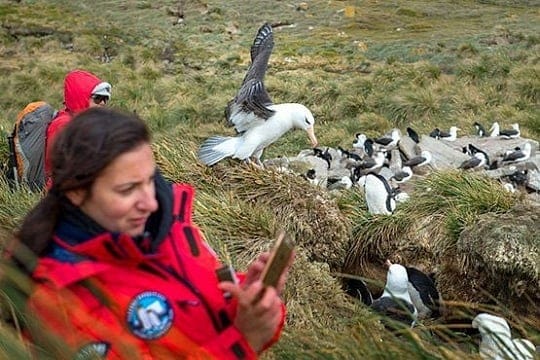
pixel 123 196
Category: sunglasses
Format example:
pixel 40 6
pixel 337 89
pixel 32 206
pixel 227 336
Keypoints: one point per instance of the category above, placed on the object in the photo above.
pixel 98 99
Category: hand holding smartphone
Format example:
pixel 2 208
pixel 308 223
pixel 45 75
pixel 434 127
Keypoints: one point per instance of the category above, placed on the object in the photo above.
pixel 279 259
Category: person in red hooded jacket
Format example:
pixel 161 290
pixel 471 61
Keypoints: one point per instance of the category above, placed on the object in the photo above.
pixel 120 269
pixel 82 90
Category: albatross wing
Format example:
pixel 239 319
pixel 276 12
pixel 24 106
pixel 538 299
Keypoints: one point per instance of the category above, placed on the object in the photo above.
pixel 250 105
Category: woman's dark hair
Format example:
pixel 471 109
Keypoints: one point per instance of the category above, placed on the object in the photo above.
pixel 87 145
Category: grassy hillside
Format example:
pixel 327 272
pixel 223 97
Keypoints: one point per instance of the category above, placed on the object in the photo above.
pixel 360 66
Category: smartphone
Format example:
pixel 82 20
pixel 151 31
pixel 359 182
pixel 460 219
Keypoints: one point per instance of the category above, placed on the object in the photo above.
pixel 226 273
pixel 279 258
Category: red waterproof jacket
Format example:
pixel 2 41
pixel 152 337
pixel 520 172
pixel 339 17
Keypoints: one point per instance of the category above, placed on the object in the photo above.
pixel 105 296
pixel 78 86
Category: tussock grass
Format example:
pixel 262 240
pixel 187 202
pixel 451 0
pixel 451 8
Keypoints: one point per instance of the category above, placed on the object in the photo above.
pixel 443 204
pixel 459 226
pixel 375 238
pixel 15 205
pixel 306 212
pixel 240 229
pixel 460 196
pixel 500 252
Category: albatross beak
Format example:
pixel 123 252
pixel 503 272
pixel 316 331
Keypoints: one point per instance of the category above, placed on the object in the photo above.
pixel 311 134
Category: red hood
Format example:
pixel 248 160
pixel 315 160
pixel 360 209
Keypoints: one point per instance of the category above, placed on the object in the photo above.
pixel 78 86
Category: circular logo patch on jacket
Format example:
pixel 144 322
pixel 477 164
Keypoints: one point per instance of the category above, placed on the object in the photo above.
pixel 149 315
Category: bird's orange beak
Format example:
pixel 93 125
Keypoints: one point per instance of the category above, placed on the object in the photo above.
pixel 312 137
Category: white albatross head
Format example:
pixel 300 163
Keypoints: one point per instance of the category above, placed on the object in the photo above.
pixel 302 118
pixel 396 282
pixel 494 129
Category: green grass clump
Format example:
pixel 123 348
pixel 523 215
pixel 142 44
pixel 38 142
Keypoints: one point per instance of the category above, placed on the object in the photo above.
pixel 442 205
pixel 376 237
pixel 460 197
pixel 15 206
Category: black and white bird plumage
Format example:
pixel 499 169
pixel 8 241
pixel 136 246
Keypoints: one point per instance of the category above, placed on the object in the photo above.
pixel 389 140
pixel 519 177
pixel 310 176
pixel 378 194
pixel 423 159
pixel 424 294
pixel 480 130
pixel 494 129
pixel 325 155
pixel 435 133
pixel 257 120
pixel 512 133
pixel 451 135
pixel 368 147
pixel 349 154
pixel 471 149
pixel 478 160
pixel 518 155
pixel 358 289
pixel 341 183
pixel 395 302
pixel 403 175
pixel 359 140
pixel 372 163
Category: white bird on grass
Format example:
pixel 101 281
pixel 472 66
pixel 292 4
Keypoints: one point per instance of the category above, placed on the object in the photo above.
pixel 258 121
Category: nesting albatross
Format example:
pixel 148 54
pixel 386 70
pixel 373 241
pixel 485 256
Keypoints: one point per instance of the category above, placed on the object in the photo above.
pixel 478 160
pixel 423 159
pixel 395 302
pixel 257 120
pixel 519 154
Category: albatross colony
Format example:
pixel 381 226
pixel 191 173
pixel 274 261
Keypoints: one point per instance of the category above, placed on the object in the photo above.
pixel 257 120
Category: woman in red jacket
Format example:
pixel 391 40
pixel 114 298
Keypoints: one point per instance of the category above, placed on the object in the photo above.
pixel 82 90
pixel 121 270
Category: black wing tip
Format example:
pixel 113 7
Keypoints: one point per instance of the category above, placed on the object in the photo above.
pixel 264 31
pixel 358 289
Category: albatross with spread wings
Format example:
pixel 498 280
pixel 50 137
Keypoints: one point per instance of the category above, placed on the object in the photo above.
pixel 257 120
